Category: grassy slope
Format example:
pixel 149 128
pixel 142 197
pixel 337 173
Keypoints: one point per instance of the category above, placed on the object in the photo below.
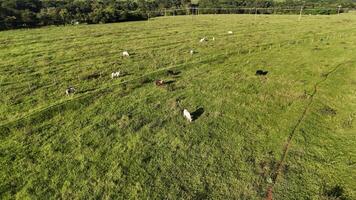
pixel 126 138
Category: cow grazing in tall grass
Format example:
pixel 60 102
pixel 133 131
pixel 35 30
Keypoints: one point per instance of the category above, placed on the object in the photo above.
pixel 70 90
pixel 187 115
pixel 115 74
pixel 125 54
pixel 261 72
pixel 159 82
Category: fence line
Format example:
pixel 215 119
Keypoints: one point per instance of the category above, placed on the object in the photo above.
pixel 217 10
pixel 300 10
pixel 245 8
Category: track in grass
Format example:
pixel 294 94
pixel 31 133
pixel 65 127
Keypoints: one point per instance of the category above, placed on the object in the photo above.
pixel 278 169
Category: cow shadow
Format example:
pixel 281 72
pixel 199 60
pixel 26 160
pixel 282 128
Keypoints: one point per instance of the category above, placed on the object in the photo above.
pixel 85 91
pixel 123 74
pixel 197 113
pixel 173 73
pixel 169 82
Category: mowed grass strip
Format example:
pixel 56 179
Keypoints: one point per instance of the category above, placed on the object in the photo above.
pixel 126 138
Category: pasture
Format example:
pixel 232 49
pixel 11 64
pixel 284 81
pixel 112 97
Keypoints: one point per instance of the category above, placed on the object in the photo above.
pixel 289 134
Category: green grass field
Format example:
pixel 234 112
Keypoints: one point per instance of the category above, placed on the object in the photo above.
pixel 291 132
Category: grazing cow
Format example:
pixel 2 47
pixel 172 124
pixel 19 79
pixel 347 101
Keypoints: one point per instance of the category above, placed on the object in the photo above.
pixel 213 38
pixel 229 32
pixel 159 82
pixel 125 54
pixel 115 74
pixel 70 90
pixel 187 115
pixel 261 73
pixel 191 52
pixel 203 39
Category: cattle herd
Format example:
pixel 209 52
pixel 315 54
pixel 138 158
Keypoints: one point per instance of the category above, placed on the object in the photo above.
pixel 71 90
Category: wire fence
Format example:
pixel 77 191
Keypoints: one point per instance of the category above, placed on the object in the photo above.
pixel 188 11
pixel 247 10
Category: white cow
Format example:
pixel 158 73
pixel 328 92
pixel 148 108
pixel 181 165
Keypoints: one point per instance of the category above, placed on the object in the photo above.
pixel 125 54
pixel 229 32
pixel 203 39
pixel 187 115
pixel 191 51
pixel 115 74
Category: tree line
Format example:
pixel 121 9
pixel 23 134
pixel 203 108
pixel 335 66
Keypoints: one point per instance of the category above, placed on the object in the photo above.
pixel 32 13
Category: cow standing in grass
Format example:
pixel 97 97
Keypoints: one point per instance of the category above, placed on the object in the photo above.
pixel 187 115
pixel 125 54
pixel 70 90
pixel 115 74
